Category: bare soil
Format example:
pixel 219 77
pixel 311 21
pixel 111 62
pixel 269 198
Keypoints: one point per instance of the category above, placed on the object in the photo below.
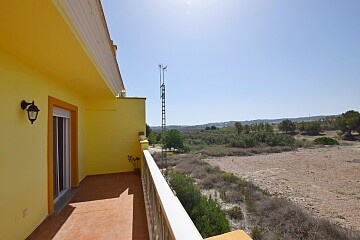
pixel 325 181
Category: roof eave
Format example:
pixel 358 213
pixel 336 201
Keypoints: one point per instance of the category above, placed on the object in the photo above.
pixel 87 21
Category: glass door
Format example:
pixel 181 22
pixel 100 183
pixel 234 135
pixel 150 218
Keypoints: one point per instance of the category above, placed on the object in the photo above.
pixel 61 151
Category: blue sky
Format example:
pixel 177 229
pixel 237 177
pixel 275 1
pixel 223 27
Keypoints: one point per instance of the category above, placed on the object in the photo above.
pixel 239 59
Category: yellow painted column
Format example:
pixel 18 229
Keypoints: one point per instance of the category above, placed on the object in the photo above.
pixel 144 146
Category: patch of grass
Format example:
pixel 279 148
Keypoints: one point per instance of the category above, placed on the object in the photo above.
pixel 223 194
pixel 340 216
pixel 210 181
pixel 229 177
pixel 221 151
pixel 283 216
pixel 303 143
pixel 235 213
pixel 234 196
pixel 340 192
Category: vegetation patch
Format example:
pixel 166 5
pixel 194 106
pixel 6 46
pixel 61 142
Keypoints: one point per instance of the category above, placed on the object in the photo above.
pixel 235 213
pixel 263 215
pixel 325 141
pixel 221 151
pixel 205 212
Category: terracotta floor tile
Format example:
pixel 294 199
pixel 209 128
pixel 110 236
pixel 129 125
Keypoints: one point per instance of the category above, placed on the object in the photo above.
pixel 109 235
pixel 103 208
pixel 91 236
pixel 74 234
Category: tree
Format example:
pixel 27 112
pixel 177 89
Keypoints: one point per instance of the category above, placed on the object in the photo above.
pixel 300 126
pixel 348 122
pixel 268 128
pixel 152 138
pixel 261 127
pixel 239 127
pixel 148 130
pixel 287 126
pixel 312 128
pixel 158 137
pixel 254 127
pixel 213 128
pixel 328 123
pixel 174 140
pixel 246 129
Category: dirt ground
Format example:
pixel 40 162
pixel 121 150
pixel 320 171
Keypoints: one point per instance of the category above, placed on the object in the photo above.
pixel 323 180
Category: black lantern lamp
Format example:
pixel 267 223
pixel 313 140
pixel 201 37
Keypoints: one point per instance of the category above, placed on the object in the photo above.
pixel 32 110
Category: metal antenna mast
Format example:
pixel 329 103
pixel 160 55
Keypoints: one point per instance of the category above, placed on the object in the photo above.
pixel 162 69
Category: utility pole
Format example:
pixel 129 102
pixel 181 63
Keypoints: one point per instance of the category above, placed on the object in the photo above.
pixel 162 69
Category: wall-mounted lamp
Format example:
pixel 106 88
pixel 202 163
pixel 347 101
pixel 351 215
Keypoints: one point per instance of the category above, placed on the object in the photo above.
pixel 32 110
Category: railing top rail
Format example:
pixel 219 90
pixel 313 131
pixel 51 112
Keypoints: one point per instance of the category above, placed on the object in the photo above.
pixel 179 221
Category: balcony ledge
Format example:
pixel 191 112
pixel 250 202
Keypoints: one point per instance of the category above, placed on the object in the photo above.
pixel 235 235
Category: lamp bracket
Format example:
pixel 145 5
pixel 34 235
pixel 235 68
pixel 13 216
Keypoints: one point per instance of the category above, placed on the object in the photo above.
pixel 24 104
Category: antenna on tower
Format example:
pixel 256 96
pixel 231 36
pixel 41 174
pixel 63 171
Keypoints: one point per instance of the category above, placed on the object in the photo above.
pixel 162 69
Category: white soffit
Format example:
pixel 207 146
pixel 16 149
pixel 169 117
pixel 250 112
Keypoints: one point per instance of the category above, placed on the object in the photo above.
pixel 86 20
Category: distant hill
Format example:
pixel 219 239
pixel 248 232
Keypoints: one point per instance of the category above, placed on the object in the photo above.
pixel 231 123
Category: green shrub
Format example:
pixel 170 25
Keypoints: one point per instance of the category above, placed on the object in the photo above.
pixel 262 138
pixel 209 219
pixel 256 233
pixel 325 141
pixel 229 177
pixel 206 214
pixel 185 189
pixel 303 143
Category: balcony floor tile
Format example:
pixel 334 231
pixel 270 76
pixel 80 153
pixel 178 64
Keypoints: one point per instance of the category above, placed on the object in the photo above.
pixel 109 206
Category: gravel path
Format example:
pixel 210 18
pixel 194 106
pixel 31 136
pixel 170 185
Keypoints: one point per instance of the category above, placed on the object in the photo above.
pixel 325 181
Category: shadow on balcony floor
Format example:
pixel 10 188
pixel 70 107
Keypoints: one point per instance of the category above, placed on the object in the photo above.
pixel 109 206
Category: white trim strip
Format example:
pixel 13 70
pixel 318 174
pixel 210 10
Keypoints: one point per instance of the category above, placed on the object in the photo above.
pixel 60 112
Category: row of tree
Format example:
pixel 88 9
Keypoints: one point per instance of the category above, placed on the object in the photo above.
pixel 261 127
pixel 310 128
pixel 347 123
pixel 210 128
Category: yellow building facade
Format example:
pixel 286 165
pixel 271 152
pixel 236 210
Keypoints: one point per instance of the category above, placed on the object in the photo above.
pixel 58 54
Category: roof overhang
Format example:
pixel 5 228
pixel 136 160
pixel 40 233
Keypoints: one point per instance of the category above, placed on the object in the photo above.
pixel 66 40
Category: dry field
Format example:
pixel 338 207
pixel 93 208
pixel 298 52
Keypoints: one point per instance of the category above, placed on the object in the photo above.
pixel 323 180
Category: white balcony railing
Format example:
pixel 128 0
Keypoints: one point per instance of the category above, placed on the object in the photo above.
pixel 167 218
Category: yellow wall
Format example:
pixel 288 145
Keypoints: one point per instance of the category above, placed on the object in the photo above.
pixel 23 146
pixel 112 134
pixel 107 134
